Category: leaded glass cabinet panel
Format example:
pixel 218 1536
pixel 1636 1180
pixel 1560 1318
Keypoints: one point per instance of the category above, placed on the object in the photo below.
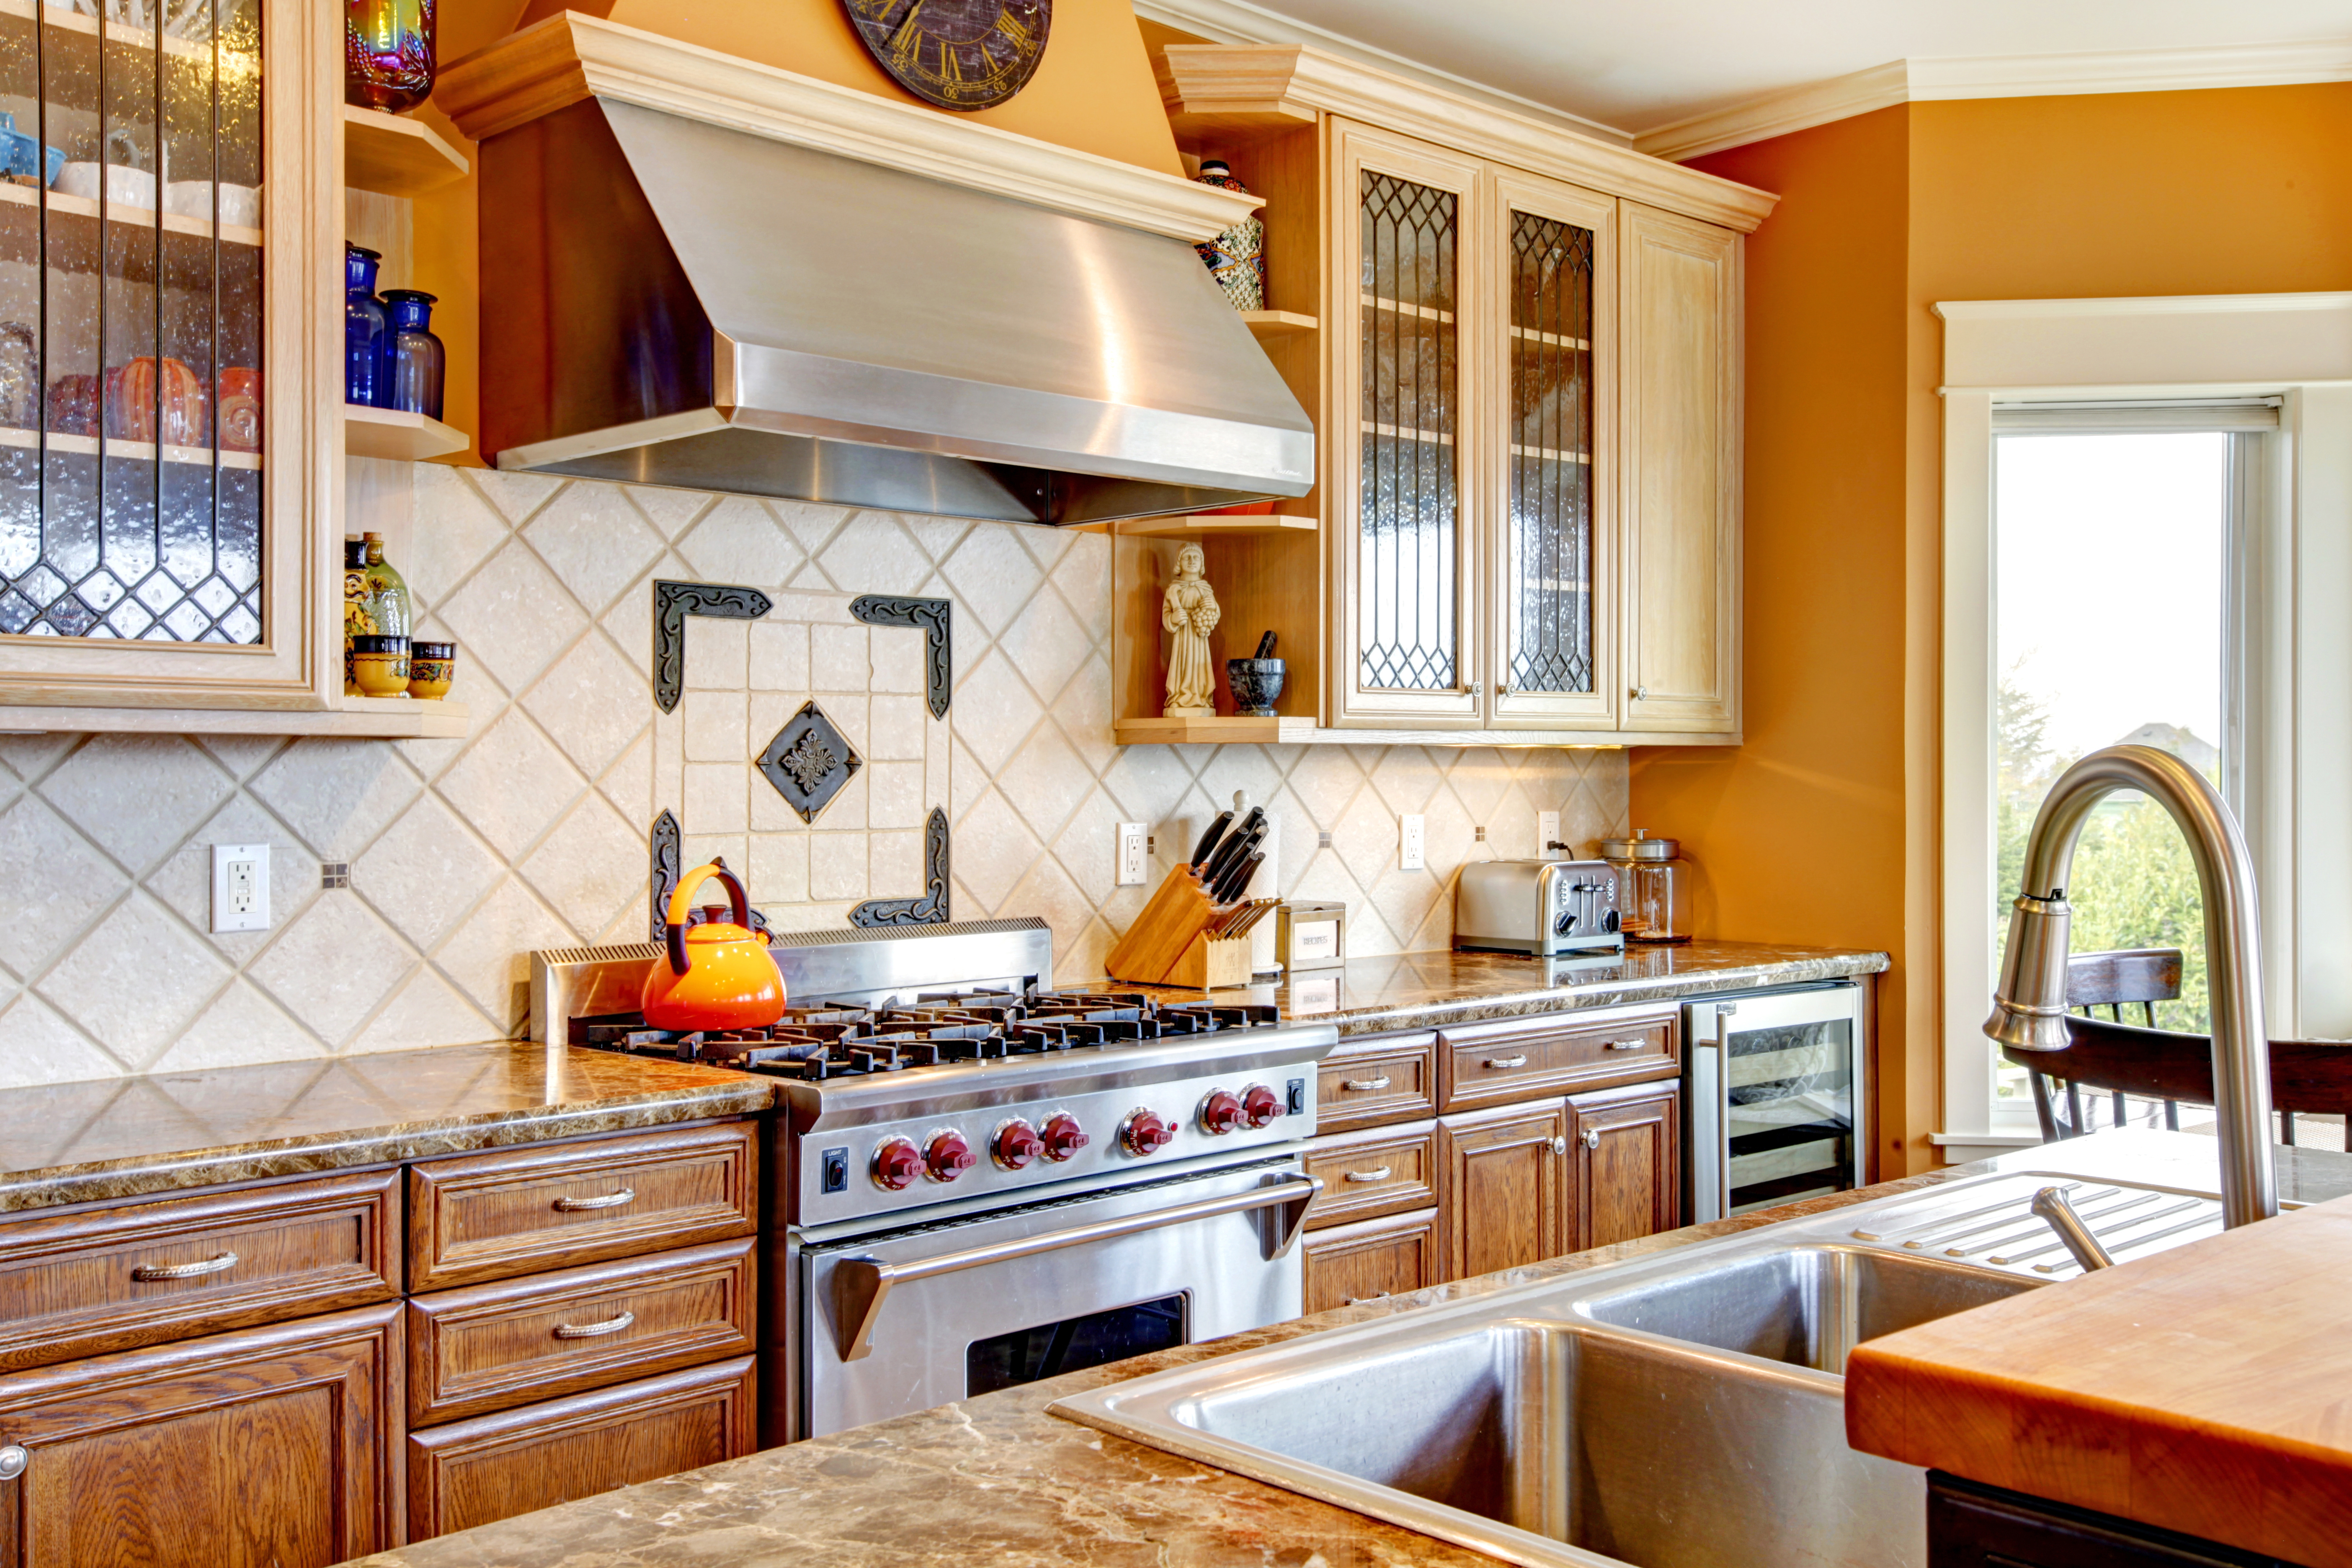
pixel 1405 510
pixel 1553 555
pixel 161 457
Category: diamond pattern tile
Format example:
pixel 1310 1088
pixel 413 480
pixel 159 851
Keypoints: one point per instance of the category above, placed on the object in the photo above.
pixel 531 831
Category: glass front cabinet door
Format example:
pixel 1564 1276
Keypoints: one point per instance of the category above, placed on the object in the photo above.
pixel 165 500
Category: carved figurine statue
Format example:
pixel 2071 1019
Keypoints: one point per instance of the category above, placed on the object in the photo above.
pixel 1190 611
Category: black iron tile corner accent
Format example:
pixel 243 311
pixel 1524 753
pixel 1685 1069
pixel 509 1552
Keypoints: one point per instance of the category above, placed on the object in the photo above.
pixel 808 761
pixel 935 619
pixel 663 842
pixel 673 601
pixel 931 909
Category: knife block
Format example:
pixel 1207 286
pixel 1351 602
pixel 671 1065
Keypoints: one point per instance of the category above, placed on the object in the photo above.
pixel 1172 925
pixel 1211 963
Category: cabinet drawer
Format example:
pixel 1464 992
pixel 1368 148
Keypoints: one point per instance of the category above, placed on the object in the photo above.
pixel 115 1278
pixel 1365 1174
pixel 1496 1064
pixel 1389 1257
pixel 489 1347
pixel 495 1467
pixel 1395 1080
pixel 490 1217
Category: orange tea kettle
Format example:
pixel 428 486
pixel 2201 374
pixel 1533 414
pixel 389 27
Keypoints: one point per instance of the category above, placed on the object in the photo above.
pixel 719 975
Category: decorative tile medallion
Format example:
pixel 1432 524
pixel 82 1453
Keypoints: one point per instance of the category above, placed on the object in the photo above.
pixel 935 618
pixel 808 761
pixel 673 601
pixel 931 909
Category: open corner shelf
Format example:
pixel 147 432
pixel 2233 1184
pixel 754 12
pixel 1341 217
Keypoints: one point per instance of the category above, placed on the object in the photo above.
pixel 351 717
pixel 400 717
pixel 397 157
pixel 1198 525
pixel 1220 730
pixel 1270 325
pixel 390 433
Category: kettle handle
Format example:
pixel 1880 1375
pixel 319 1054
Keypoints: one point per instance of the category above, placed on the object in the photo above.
pixel 673 930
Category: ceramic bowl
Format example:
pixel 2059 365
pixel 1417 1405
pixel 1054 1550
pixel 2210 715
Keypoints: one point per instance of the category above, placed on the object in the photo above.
pixel 125 186
pixel 431 665
pixel 379 665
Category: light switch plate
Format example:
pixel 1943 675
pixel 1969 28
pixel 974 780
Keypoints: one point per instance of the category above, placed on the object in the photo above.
pixel 1546 833
pixel 1132 853
pixel 240 886
pixel 1413 854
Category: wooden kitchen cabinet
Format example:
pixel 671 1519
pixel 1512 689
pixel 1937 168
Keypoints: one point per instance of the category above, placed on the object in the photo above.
pixel 1506 1187
pixel 262 1448
pixel 1974 1526
pixel 1624 1172
pixel 1371 1258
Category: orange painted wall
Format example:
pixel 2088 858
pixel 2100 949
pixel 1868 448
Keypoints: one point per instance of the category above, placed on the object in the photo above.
pixel 1798 832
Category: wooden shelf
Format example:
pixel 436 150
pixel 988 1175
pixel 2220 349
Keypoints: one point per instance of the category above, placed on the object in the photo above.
pixel 1270 325
pixel 1199 732
pixel 397 157
pixel 390 433
pixel 123 36
pixel 123 211
pixel 354 717
pixel 129 451
pixel 1290 731
pixel 1199 525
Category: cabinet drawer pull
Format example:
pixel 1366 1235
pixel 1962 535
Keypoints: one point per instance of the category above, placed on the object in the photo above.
pixel 1377 1173
pixel 609 1201
pixel 1556 1146
pixel 595 1331
pixel 1500 1063
pixel 1593 1137
pixel 1364 1085
pixel 184 1270
pixel 1629 1045
pixel 1360 1301
pixel 13 1461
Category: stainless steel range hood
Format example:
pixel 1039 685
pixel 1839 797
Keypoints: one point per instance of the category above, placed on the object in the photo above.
pixel 670 301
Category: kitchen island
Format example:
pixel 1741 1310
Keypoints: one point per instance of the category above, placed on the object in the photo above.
pixel 999 1479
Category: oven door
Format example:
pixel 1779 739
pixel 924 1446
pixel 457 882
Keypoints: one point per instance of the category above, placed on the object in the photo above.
pixel 915 1318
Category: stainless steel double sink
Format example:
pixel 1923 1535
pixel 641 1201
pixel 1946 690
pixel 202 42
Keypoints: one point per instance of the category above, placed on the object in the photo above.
pixel 1682 1410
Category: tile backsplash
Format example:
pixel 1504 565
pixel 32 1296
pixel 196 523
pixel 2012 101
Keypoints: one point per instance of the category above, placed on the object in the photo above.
pixel 531 831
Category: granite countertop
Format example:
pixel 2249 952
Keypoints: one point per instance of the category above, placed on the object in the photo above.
pixel 1408 992
pixel 118 1138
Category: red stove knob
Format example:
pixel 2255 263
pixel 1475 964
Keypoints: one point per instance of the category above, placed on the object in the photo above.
pixel 1144 1132
pixel 896 1165
pixel 1260 1105
pixel 1064 1138
pixel 946 1157
pixel 1220 1112
pixel 1016 1144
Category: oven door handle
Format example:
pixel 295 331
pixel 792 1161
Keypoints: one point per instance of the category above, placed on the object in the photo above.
pixel 860 1285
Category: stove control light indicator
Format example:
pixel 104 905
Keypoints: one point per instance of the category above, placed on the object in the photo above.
pixel 835 1163
pixel 897 1163
pixel 1220 1113
pixel 1016 1144
pixel 1260 1105
pixel 946 1157
pixel 1145 1133
pixel 1064 1137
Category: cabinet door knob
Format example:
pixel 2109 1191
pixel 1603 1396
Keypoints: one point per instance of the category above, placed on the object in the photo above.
pixel 1477 687
pixel 1593 1137
pixel 13 1461
pixel 1641 694
pixel 1556 1146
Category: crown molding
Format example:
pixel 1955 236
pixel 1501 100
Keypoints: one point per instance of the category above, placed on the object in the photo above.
pixel 1962 76
pixel 1237 22
pixel 570 57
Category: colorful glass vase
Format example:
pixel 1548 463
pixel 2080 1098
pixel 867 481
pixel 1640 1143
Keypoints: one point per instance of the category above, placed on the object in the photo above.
pixel 1236 259
pixel 412 357
pixel 365 326
pixel 387 53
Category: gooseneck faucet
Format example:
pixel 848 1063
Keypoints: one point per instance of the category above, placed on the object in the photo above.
pixel 2029 1012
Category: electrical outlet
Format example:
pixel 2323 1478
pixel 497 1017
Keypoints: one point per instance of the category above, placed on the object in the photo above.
pixel 1130 855
pixel 1411 854
pixel 240 886
pixel 1546 833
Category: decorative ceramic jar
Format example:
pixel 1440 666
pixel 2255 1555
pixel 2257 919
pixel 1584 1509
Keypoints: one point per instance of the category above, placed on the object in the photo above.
pixel 431 665
pixel 413 360
pixel 380 666
pixel 240 408
pixel 387 591
pixel 364 325
pixel 387 53
pixel 358 609
pixel 1237 258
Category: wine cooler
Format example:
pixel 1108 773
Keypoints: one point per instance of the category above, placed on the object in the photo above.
pixel 1775 1097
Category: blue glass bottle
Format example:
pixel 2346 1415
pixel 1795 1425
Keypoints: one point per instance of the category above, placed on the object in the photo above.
pixel 410 377
pixel 364 329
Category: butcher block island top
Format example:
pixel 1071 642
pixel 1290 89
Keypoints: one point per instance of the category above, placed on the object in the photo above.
pixel 2206 1390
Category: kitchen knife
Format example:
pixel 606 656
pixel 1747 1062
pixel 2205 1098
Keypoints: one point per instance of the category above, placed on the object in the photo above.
pixel 1221 889
pixel 1235 845
pixel 1209 840
pixel 1237 878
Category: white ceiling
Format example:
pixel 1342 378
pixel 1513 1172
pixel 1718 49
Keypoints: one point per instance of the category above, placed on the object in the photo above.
pixel 1638 64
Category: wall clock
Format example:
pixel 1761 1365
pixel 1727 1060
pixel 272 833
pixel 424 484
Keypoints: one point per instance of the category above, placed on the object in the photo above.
pixel 957 54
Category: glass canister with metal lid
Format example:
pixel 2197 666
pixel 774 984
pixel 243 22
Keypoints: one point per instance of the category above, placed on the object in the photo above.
pixel 1654 886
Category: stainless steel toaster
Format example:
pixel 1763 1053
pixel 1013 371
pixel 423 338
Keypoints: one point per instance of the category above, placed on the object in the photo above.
pixel 1537 906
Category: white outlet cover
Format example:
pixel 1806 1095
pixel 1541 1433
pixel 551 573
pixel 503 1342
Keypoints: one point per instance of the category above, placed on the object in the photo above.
pixel 1132 853
pixel 1547 834
pixel 240 886
pixel 1413 853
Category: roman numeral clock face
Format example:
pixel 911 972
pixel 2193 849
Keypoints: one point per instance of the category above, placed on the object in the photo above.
pixel 957 54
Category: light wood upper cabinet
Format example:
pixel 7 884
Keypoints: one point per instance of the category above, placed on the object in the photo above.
pixel 1681 456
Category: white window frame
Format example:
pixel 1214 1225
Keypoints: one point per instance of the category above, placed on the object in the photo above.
pixel 2289 625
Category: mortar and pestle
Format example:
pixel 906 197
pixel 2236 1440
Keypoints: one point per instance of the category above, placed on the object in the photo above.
pixel 1256 682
